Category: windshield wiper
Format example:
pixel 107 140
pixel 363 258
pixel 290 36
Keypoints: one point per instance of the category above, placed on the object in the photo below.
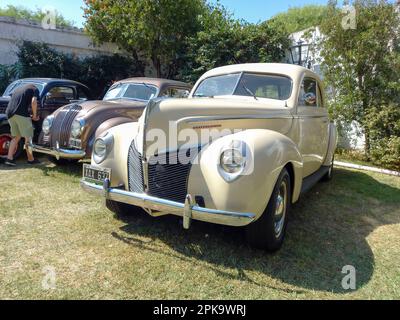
pixel 250 92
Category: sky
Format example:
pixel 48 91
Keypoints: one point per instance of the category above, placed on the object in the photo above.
pixel 250 10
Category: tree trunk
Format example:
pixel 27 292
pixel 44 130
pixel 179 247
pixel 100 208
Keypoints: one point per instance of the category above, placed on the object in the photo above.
pixel 157 66
pixel 367 148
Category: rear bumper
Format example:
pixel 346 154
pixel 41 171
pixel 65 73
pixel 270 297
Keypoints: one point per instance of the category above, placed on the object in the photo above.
pixel 58 152
pixel 187 210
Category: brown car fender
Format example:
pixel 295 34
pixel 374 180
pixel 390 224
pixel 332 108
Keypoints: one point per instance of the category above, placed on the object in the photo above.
pixel 270 152
pixel 106 125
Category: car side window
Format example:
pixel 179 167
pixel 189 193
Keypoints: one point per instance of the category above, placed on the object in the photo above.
pixel 60 95
pixel 308 93
pixel 175 93
pixel 82 94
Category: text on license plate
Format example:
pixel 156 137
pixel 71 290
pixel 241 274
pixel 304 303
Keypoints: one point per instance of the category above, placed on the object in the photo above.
pixel 96 174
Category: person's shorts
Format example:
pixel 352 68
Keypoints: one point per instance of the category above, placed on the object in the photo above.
pixel 21 126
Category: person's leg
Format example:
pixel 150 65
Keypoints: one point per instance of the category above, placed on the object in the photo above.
pixel 13 147
pixel 29 153
pixel 26 128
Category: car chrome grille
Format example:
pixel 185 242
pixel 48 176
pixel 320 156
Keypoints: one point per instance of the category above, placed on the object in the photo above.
pixel 62 123
pixel 168 178
pixel 135 170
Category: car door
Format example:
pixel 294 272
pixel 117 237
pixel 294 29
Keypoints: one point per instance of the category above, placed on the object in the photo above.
pixel 313 125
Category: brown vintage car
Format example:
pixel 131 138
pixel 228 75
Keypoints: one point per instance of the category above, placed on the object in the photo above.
pixel 68 134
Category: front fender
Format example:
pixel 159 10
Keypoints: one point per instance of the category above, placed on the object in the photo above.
pixel 271 152
pixel 117 158
pixel 104 126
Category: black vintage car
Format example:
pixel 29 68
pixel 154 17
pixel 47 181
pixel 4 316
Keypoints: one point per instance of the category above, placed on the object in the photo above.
pixel 54 93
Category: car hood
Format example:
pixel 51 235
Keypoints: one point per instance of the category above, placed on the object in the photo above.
pixel 200 115
pixel 97 106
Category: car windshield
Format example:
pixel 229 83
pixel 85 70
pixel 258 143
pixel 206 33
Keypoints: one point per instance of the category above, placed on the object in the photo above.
pixel 135 91
pixel 16 84
pixel 246 84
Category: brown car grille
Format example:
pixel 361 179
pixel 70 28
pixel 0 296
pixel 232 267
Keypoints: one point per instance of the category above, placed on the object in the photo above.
pixel 61 127
pixel 167 177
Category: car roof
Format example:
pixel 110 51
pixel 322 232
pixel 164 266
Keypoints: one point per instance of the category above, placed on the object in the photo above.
pixel 290 70
pixel 51 80
pixel 158 82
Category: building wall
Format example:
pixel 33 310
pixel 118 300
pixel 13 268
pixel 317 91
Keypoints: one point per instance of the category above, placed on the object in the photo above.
pixel 72 41
pixel 351 136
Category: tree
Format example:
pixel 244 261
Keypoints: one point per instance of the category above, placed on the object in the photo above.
pixel 37 15
pixel 362 65
pixel 223 40
pixel 155 28
pixel 39 60
pixel 299 19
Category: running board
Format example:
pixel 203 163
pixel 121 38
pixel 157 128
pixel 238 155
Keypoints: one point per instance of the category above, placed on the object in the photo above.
pixel 312 180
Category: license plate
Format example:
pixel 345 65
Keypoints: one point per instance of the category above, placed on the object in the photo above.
pixel 96 175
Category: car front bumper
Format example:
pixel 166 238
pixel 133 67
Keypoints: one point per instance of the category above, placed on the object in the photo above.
pixel 187 210
pixel 58 152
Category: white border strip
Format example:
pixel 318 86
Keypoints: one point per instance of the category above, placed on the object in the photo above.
pixel 365 168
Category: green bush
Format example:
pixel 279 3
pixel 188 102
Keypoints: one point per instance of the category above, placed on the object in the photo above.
pixel 39 60
pixel 8 74
pixel 384 128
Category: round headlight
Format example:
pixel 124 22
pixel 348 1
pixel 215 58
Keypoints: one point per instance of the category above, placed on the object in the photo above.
pixel 47 123
pixel 102 146
pixel 232 161
pixel 76 128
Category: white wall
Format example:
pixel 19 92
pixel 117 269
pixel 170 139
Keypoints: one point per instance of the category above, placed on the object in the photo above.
pixel 72 41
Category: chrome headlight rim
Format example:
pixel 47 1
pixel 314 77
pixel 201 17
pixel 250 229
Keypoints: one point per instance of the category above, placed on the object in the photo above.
pixel 47 124
pixel 77 128
pixel 233 161
pixel 104 143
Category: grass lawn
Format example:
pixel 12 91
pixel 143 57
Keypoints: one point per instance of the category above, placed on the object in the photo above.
pixel 48 223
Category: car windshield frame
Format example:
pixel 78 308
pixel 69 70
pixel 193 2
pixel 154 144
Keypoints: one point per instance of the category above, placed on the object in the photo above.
pixel 16 84
pixel 239 81
pixel 120 96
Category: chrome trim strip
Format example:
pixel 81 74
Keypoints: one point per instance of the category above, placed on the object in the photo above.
pixel 189 211
pixel 240 117
pixel 58 153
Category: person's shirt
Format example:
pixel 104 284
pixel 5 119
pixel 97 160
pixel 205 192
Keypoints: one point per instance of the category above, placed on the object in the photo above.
pixel 21 101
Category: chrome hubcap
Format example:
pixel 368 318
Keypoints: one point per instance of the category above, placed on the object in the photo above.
pixel 280 210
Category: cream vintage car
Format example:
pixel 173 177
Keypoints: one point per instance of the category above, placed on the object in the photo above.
pixel 240 151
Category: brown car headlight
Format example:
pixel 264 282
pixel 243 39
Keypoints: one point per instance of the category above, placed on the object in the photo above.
pixel 77 128
pixel 102 147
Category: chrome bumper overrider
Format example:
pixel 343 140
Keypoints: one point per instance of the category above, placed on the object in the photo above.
pixel 187 210
pixel 58 152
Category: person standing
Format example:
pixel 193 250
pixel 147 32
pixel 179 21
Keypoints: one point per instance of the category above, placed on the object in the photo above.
pixel 21 121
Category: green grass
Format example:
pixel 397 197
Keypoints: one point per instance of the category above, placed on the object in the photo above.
pixel 47 221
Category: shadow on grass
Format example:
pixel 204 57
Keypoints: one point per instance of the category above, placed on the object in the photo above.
pixel 48 167
pixel 327 231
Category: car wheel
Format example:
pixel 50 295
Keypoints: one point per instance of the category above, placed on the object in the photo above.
pixel 269 231
pixel 329 175
pixel 62 162
pixel 120 209
pixel 5 140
